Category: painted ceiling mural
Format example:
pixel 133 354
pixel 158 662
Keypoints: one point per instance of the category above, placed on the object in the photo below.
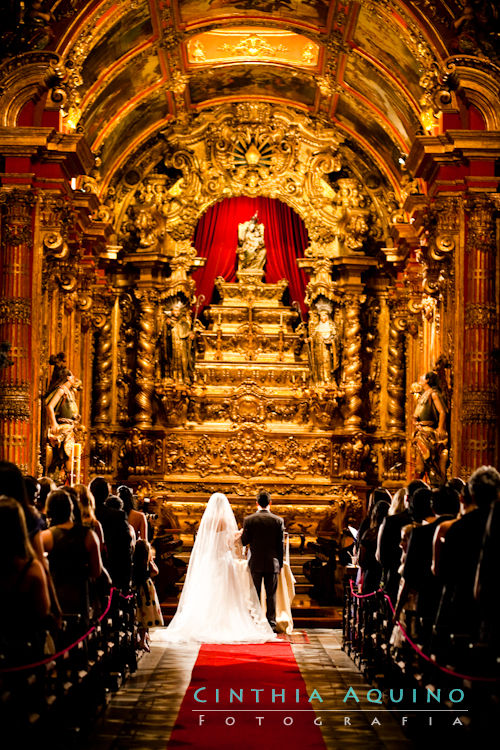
pixel 372 69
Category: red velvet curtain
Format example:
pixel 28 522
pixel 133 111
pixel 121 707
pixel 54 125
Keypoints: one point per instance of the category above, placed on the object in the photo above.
pixel 216 239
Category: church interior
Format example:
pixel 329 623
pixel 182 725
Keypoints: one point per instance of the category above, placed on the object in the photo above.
pixel 253 245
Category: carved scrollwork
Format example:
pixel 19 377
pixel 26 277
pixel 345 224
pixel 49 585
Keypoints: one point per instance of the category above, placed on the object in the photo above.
pixel 441 236
pixel 249 452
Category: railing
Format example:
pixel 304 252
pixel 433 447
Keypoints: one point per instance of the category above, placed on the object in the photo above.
pixel 57 695
pixel 455 663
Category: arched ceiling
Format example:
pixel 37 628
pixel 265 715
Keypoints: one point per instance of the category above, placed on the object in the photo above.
pixel 368 66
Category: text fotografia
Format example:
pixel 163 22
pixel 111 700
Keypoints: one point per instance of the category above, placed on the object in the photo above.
pixel 278 696
pixel 319 721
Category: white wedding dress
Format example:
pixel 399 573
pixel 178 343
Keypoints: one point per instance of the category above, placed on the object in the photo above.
pixel 218 603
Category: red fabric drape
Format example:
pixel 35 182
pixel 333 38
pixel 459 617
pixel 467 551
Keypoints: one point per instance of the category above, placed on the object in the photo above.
pixel 216 238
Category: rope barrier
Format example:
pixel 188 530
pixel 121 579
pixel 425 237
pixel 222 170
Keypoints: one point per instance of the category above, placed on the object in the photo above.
pixel 414 645
pixel 73 645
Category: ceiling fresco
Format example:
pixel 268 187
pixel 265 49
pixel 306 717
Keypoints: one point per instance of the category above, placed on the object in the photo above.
pixel 310 12
pixel 244 81
pixel 371 68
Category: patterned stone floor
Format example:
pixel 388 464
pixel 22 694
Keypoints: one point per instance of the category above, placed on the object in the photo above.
pixel 142 713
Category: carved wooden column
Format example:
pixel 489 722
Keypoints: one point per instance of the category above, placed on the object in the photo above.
pixel 396 370
pixel 480 391
pixel 145 356
pixel 102 321
pixel 353 367
pixel 16 380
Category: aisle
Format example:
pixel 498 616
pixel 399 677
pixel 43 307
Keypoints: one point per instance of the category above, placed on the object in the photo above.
pixel 142 715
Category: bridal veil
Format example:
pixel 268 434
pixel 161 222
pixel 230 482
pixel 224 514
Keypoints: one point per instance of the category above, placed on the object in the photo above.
pixel 218 603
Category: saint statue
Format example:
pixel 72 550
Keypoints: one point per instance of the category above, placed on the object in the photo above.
pixel 324 339
pixel 177 344
pixel 251 248
pixel 430 438
pixel 63 418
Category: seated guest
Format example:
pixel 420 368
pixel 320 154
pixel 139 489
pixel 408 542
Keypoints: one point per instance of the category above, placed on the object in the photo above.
pixel 117 535
pixel 24 591
pixel 370 567
pixel 136 519
pixel 86 503
pixel 417 573
pixel 12 485
pixel 484 486
pixel 421 511
pixel 466 505
pixel 73 554
pixel 46 485
pixel 458 561
pixel 388 546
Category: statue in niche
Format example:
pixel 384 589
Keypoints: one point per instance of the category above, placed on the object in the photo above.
pixel 325 342
pixel 177 344
pixel 251 249
pixel 63 416
pixel 430 438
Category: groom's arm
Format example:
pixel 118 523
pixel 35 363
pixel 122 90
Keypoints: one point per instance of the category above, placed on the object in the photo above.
pixel 281 529
pixel 245 536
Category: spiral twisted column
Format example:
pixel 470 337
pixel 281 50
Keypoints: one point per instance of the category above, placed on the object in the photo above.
pixel 102 320
pixel 145 356
pixel 353 366
pixel 396 373
pixel 16 377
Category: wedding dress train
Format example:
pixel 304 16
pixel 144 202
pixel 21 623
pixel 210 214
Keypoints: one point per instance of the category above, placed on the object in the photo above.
pixel 218 603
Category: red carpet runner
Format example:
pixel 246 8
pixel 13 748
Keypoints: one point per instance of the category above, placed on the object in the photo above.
pixel 258 721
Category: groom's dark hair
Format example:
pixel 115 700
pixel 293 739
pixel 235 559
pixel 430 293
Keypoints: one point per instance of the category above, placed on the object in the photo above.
pixel 263 498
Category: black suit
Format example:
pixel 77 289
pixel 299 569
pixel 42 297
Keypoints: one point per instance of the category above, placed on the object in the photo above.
pixel 389 551
pixel 263 533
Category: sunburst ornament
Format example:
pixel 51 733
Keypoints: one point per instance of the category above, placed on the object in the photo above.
pixel 248 153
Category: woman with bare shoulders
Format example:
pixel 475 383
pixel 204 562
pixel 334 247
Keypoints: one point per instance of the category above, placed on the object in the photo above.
pixel 24 589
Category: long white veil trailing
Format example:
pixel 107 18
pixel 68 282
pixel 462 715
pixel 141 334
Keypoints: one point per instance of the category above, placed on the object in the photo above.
pixel 218 603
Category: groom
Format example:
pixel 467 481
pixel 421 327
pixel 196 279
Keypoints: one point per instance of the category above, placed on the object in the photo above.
pixel 263 532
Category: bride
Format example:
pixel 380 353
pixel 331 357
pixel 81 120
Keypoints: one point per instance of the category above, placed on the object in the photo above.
pixel 218 603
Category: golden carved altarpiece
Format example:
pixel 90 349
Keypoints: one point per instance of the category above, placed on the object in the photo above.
pixel 250 413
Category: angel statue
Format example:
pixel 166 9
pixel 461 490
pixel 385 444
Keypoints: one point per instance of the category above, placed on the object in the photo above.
pixel 63 417
pixel 251 248
pixel 430 437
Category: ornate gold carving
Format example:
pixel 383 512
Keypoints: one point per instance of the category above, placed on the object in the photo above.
pixel 481 316
pixel 101 319
pixel 146 344
pixel 352 377
pixel 481 224
pixel 16 206
pixel 101 452
pixel 15 310
pixel 396 368
pixel 15 401
pixel 441 237
pixel 249 452
pixel 140 454
pixel 479 405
